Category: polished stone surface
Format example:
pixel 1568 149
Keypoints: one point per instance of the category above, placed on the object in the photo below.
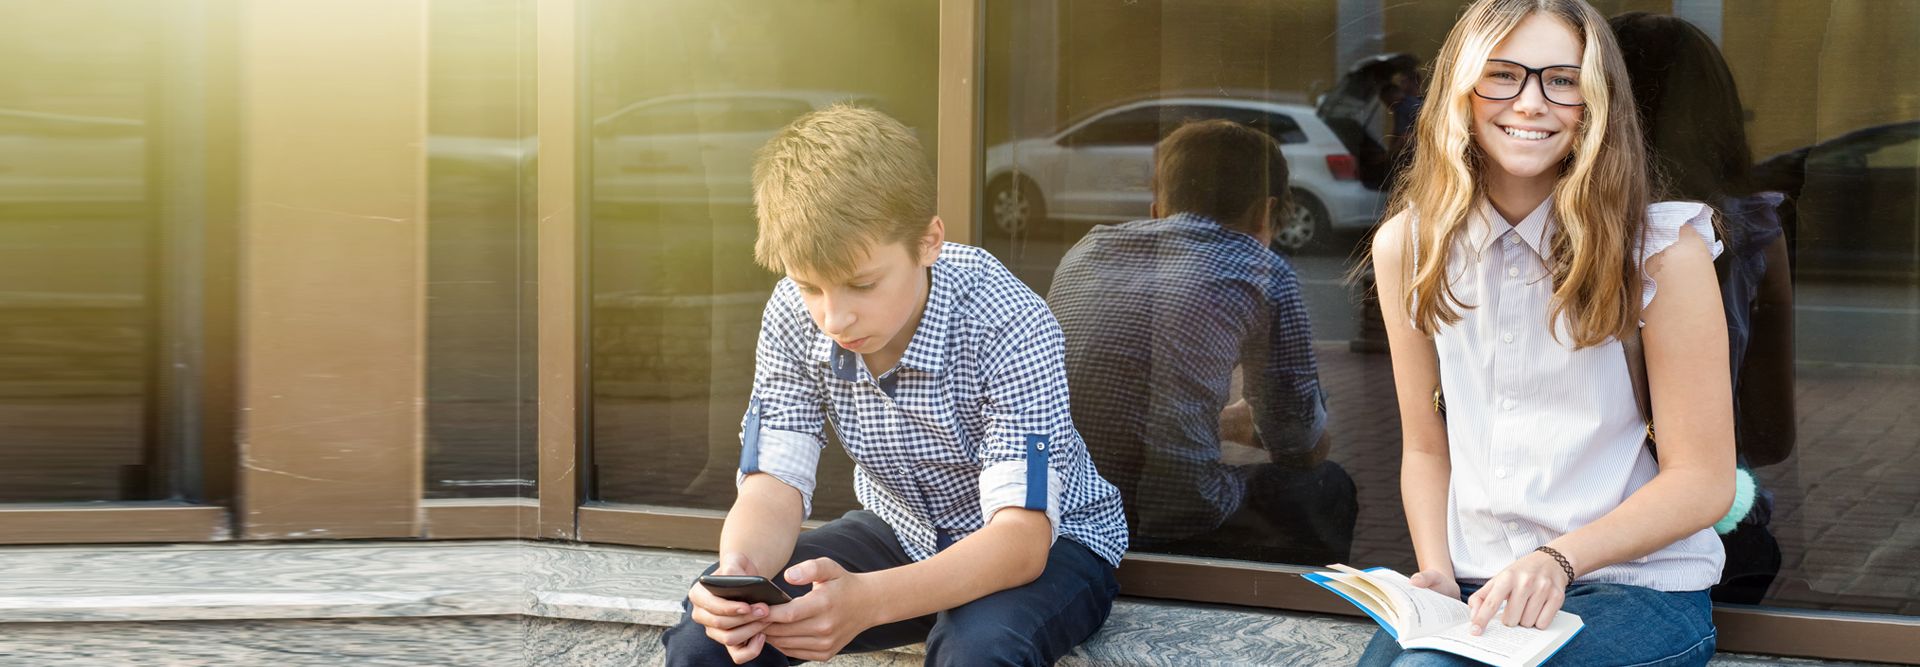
pixel 492 603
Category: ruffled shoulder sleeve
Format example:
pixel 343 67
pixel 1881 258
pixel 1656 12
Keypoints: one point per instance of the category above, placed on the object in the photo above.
pixel 1666 221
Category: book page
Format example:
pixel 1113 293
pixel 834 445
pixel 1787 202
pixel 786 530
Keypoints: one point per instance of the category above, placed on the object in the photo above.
pixel 1418 610
pixel 1363 591
pixel 1500 644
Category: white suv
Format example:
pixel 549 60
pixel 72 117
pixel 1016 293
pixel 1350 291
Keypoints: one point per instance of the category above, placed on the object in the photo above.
pixel 1097 171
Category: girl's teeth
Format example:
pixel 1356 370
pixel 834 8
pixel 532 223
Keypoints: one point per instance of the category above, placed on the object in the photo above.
pixel 1525 134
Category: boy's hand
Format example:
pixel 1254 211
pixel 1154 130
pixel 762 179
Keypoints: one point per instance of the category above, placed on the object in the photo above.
pixel 817 625
pixel 736 625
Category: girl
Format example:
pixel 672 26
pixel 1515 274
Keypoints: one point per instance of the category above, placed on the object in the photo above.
pixel 1521 252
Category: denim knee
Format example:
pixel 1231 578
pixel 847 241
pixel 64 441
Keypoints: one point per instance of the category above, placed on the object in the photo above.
pixel 983 643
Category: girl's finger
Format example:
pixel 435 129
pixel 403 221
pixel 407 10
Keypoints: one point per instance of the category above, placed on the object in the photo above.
pixel 1535 603
pixel 1549 610
pixel 1490 599
pixel 1523 594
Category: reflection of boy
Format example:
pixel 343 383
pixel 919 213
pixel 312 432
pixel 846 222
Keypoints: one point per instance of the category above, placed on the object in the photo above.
pixel 987 533
pixel 1157 314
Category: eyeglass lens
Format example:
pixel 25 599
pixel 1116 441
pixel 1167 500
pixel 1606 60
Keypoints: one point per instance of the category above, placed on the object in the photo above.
pixel 1504 80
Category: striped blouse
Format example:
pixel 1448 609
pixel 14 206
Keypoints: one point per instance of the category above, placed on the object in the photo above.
pixel 1544 438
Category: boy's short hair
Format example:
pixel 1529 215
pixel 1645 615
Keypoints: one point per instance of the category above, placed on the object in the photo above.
pixel 834 181
pixel 1219 169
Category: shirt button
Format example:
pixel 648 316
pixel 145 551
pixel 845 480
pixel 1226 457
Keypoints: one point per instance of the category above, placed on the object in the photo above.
pixel 1506 404
pixel 1500 472
pixel 1513 525
pixel 1513 271
pixel 1039 446
pixel 1507 337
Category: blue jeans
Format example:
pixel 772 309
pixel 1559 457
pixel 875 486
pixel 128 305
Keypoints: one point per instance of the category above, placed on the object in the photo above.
pixel 1034 624
pixel 1626 626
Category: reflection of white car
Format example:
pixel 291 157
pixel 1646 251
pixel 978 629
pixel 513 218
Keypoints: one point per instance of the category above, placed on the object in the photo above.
pixel 695 148
pixel 64 159
pixel 1097 170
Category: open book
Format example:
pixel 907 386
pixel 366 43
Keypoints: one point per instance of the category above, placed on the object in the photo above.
pixel 1420 618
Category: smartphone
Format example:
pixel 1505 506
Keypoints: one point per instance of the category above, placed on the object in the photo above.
pixel 744 588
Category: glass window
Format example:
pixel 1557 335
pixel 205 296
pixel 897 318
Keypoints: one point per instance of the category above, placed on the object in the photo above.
pixel 679 112
pixel 481 319
pixel 95 283
pixel 1825 119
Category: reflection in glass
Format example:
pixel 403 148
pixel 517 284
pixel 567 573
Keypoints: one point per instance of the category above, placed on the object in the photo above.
pixel 677 112
pixel 80 232
pixel 1829 102
pixel 1160 316
pixel 481 328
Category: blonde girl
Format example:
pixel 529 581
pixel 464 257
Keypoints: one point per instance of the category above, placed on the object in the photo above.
pixel 1521 252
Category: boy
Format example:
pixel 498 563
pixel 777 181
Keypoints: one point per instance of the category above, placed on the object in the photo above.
pixel 986 531
pixel 1157 314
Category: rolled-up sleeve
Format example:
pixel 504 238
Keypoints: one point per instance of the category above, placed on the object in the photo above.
pixel 1282 375
pixel 1031 444
pixel 782 432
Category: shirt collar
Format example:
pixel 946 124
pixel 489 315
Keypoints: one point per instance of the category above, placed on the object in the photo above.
pixel 1534 230
pixel 926 352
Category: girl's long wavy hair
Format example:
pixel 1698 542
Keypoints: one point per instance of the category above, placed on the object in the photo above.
pixel 1600 201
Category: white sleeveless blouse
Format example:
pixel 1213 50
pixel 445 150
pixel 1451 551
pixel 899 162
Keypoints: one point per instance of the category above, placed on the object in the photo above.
pixel 1544 438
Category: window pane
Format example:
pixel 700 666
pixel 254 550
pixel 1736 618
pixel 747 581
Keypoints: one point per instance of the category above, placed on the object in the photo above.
pixel 678 110
pixel 1827 114
pixel 481 331
pixel 85 103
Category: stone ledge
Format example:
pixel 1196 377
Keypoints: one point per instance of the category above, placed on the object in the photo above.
pixel 572 582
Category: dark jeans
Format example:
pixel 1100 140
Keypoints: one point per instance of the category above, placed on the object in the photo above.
pixel 1034 624
pixel 1303 517
pixel 1625 625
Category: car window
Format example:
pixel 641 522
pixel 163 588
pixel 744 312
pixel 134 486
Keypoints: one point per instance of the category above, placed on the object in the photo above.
pixel 755 114
pixel 682 117
pixel 1138 127
pixel 1901 155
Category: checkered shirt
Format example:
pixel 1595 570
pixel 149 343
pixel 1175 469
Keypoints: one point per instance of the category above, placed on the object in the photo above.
pixel 974 418
pixel 1157 314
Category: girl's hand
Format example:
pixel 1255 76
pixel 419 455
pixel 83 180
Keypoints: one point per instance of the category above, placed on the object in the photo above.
pixel 1532 588
pixel 1436 582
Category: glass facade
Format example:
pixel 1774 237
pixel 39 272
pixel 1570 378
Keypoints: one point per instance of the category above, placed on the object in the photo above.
pixel 1076 94
pixel 124 336
pixel 96 269
pixel 676 116
pixel 482 333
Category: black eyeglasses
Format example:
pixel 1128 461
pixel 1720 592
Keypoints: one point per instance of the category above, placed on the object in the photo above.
pixel 1504 79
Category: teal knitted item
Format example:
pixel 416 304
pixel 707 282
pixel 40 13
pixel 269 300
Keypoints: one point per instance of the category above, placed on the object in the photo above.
pixel 1743 492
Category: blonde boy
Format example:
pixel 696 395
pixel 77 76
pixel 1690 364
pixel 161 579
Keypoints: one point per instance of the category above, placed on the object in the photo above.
pixel 986 532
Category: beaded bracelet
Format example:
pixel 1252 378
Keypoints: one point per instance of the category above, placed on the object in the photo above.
pixel 1564 565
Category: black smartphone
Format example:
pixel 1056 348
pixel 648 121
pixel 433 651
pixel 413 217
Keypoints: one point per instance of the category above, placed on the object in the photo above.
pixel 744 588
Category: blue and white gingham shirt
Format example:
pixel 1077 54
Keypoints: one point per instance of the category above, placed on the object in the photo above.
pixel 974 418
pixel 1157 314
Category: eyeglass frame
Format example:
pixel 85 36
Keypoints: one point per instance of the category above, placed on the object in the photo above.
pixel 1537 74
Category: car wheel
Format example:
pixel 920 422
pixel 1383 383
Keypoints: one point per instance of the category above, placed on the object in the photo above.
pixel 1016 218
pixel 1304 226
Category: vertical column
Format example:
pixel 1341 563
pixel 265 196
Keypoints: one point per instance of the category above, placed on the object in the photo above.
pixel 558 49
pixel 958 146
pixel 333 221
